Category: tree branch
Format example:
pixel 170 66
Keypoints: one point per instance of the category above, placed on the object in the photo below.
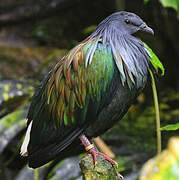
pixel 35 10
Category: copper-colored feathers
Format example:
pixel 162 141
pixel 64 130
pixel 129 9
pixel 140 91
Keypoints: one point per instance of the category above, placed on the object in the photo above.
pixel 71 81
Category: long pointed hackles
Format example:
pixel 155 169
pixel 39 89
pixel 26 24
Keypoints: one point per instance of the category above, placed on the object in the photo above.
pixel 67 83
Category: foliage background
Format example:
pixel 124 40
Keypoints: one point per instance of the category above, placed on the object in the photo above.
pixel 35 34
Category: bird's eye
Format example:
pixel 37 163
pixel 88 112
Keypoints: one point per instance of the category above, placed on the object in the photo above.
pixel 127 21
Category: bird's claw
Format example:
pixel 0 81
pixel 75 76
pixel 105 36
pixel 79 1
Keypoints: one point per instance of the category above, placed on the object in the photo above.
pixel 120 176
pixel 93 152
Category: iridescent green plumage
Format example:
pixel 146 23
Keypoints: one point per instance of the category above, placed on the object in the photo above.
pixel 71 86
pixel 70 82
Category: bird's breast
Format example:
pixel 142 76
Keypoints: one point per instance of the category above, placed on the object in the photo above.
pixel 119 99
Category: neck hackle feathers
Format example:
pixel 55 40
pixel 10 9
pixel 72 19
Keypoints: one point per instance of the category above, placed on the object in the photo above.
pixel 129 53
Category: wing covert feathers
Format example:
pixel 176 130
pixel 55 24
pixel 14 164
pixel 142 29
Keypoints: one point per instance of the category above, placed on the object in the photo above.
pixel 85 71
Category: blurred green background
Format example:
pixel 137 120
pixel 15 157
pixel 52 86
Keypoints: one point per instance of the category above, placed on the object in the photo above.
pixel 35 34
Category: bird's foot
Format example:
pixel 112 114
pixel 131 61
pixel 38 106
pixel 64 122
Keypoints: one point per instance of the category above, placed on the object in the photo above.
pixel 93 152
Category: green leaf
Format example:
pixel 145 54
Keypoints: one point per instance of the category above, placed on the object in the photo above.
pixel 155 61
pixel 170 3
pixel 170 127
pixel 89 29
pixel 146 1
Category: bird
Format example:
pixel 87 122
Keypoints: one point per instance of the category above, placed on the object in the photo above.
pixel 89 90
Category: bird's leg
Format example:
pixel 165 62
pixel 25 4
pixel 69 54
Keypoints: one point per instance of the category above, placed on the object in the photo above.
pixel 91 150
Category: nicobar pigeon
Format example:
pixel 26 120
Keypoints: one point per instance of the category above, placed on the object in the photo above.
pixel 88 90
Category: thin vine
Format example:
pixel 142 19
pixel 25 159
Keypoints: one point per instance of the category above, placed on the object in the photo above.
pixel 157 113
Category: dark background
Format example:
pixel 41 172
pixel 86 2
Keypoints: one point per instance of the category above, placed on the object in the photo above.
pixel 35 34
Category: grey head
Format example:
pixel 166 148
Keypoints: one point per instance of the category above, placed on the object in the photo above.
pixel 116 33
pixel 124 23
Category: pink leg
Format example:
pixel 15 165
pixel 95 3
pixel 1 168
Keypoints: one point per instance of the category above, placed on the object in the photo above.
pixel 91 150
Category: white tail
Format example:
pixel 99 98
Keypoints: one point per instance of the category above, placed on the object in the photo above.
pixel 26 141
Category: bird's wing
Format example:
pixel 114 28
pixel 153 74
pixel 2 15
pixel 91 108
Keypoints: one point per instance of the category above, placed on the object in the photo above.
pixel 68 98
pixel 72 84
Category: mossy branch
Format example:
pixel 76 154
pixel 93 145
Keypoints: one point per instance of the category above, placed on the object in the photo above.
pixel 36 174
pixel 102 170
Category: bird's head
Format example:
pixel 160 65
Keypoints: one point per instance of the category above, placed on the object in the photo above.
pixel 126 23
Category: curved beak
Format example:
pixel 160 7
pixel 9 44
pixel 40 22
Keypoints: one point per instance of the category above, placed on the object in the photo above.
pixel 146 29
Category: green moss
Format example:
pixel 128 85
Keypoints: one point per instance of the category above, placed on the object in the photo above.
pixel 12 118
pixel 12 59
pixel 102 170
